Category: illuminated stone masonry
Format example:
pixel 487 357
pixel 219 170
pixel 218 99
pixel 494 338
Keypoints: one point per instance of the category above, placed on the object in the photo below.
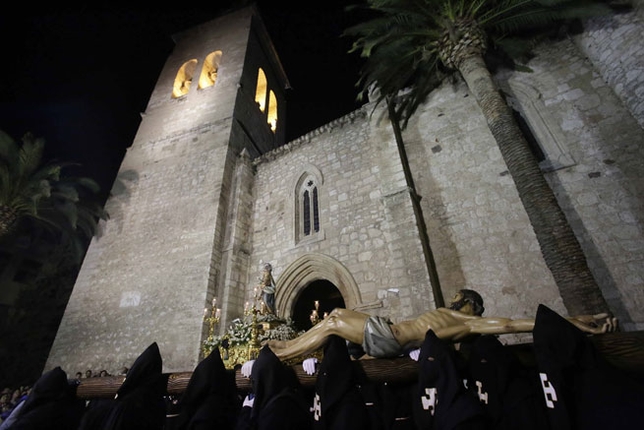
pixel 209 192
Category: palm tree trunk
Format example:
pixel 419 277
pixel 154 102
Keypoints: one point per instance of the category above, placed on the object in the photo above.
pixel 561 250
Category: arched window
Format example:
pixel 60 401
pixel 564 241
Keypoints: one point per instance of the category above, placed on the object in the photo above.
pixel 542 130
pixel 183 79
pixel 209 70
pixel 272 111
pixel 260 91
pixel 308 206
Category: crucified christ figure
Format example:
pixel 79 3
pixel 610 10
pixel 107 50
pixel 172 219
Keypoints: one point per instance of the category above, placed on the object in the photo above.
pixel 382 339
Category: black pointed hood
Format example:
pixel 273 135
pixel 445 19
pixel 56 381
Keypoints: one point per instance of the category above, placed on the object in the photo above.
pixel 279 402
pixel 335 374
pixel 269 378
pixel 210 399
pixel 138 403
pixel 338 403
pixel 52 400
pixel 442 401
pixel 509 391
pixel 146 370
pixel 583 389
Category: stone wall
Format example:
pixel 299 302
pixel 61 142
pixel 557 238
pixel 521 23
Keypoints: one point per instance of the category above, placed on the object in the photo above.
pixel 614 46
pixel 145 280
pixel 366 217
pixel 601 190
pixel 479 231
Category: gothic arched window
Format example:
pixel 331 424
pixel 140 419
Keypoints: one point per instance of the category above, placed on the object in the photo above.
pixel 266 100
pixel 272 111
pixel 261 90
pixel 209 70
pixel 541 129
pixel 310 209
pixel 183 80
pixel 307 207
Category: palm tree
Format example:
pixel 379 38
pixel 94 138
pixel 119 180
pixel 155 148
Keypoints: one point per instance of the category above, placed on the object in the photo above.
pixel 411 46
pixel 36 192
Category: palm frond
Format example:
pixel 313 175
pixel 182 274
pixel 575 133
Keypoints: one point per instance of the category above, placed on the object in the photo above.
pixel 8 151
pixel 31 154
pixel 402 39
pixel 532 15
pixel 66 192
pixel 87 183
pixel 41 192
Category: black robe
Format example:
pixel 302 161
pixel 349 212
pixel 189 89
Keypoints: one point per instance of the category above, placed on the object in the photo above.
pixel 581 389
pixel 509 391
pixel 338 403
pixel 442 402
pixel 138 404
pixel 210 400
pixel 279 401
pixel 52 403
pixel 388 406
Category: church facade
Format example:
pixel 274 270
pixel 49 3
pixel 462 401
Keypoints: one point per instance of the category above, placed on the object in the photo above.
pixel 209 192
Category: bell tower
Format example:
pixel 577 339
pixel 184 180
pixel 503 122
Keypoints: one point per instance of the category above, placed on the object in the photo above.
pixel 178 233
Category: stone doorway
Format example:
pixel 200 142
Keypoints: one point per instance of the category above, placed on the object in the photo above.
pixel 306 271
pixel 325 293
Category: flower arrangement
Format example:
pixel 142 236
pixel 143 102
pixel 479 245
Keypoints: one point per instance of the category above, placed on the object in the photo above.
pixel 284 331
pixel 240 331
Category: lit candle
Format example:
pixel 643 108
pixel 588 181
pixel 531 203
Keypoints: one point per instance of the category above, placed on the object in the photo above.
pixel 214 301
pixel 246 306
pixel 317 305
pixel 218 313
pixel 326 314
pixel 205 312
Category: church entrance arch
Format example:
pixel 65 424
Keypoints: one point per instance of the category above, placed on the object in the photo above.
pixel 304 272
pixel 321 296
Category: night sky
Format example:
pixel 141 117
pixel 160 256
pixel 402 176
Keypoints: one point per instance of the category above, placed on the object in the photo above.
pixel 79 77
